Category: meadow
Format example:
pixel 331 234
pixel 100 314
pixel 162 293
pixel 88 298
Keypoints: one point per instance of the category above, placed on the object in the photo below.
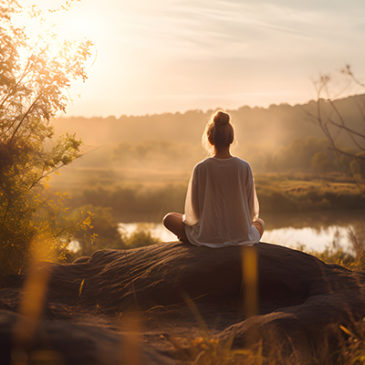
pixel 134 199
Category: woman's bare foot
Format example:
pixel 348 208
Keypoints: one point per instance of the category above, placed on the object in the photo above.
pixel 174 223
pixel 259 225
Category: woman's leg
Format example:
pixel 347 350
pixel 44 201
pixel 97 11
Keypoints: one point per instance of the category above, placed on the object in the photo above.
pixel 173 222
pixel 260 225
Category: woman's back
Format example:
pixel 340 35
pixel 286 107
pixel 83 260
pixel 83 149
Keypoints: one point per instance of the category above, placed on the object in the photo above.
pixel 221 207
pixel 221 203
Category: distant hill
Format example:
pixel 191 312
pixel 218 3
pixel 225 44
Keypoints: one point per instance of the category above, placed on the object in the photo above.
pixel 163 148
pixel 267 128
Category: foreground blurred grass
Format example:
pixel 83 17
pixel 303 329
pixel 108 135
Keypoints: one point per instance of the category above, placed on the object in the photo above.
pixel 350 350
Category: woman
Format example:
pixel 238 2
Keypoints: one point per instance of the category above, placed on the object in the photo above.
pixel 221 207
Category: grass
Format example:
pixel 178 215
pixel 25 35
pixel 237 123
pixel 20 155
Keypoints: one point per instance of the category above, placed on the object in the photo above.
pixel 211 351
pixel 149 198
pixel 353 259
pixel 350 351
pixel 294 194
pixel 353 344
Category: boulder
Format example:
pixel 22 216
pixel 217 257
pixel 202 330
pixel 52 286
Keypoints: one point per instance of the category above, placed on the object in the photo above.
pixel 265 293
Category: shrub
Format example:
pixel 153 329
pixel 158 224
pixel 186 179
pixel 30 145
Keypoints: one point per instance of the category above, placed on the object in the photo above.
pixel 32 91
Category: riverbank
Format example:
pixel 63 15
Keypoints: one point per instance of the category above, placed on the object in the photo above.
pixel 294 194
pixel 278 195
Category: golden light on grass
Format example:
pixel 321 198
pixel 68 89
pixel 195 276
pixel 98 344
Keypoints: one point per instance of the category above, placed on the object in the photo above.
pixel 131 346
pixel 32 300
pixel 194 309
pixel 81 287
pixel 250 280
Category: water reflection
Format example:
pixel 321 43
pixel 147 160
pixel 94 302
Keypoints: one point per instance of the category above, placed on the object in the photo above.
pixel 317 220
pixel 312 232
pixel 157 230
pixel 311 239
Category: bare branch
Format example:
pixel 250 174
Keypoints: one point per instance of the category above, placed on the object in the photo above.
pixel 15 87
pixel 26 114
pixel 332 126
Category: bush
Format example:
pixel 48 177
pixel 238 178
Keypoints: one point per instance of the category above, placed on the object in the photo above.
pixel 142 236
pixel 100 230
pixel 32 91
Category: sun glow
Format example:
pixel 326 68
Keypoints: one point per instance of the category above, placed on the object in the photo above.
pixel 157 56
pixel 54 26
pixel 79 22
pixel 56 33
pixel 76 27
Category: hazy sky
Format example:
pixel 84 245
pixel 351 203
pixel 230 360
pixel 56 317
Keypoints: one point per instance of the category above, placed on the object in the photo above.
pixel 155 56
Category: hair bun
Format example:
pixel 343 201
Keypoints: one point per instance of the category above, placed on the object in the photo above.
pixel 221 118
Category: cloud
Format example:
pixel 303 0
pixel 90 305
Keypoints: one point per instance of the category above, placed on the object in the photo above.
pixel 264 49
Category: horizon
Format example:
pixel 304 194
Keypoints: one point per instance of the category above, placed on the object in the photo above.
pixel 117 116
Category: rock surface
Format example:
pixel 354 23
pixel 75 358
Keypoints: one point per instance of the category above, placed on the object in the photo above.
pixel 174 288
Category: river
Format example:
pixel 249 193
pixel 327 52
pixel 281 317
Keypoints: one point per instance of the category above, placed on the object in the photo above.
pixel 310 231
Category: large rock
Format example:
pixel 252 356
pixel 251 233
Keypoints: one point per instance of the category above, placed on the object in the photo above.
pixel 300 298
pixel 163 274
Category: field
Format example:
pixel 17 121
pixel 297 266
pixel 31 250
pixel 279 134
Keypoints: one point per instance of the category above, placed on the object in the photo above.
pixel 146 195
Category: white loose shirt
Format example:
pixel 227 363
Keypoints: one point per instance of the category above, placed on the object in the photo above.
pixel 221 204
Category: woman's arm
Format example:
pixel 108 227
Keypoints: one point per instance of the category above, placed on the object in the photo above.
pixel 253 202
pixel 191 215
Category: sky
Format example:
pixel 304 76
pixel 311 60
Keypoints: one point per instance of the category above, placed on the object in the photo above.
pixel 167 56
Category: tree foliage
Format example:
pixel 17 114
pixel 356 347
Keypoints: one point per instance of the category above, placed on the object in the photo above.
pixel 33 88
pixel 99 230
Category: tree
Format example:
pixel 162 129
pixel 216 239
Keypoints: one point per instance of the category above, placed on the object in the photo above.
pixel 101 230
pixel 33 85
pixel 330 118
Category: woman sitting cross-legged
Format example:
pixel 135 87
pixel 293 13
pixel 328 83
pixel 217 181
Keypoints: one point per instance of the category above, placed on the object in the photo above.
pixel 221 207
